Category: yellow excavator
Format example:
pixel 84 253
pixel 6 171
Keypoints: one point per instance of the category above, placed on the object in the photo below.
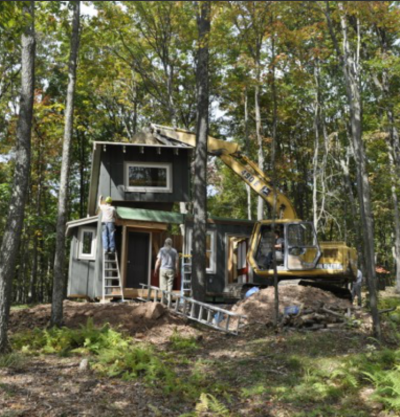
pixel 302 256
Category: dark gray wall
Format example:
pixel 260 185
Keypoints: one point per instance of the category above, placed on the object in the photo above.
pixel 215 283
pixel 112 173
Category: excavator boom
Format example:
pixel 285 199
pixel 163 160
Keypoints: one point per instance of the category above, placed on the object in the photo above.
pixel 241 165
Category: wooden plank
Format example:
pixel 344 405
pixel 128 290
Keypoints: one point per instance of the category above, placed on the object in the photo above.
pixel 124 256
pixel 136 292
pixel 142 225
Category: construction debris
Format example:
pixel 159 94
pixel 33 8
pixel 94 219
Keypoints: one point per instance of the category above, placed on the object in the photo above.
pixel 317 319
pixel 300 307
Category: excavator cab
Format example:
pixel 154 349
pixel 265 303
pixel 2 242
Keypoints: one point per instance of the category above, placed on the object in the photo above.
pixel 303 251
pixel 297 248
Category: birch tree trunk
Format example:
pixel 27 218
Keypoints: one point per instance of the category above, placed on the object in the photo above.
pixel 261 159
pixel 316 149
pixel 247 147
pixel 274 178
pixel 393 145
pixel 15 217
pixel 396 214
pixel 200 168
pixel 351 72
pixel 59 262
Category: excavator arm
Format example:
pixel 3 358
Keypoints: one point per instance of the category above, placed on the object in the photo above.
pixel 240 164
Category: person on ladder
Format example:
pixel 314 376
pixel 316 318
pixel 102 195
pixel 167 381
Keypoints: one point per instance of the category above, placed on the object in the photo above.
pixel 108 214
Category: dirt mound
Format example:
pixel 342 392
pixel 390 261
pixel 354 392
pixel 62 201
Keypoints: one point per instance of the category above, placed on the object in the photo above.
pixel 150 321
pixel 260 306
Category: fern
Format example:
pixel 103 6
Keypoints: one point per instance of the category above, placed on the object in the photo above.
pixel 209 405
pixel 387 386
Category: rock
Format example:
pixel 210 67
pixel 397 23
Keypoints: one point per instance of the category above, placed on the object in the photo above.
pixel 84 365
pixel 154 311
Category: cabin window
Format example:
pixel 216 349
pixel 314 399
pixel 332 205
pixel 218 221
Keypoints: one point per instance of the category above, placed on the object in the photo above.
pixel 87 244
pixel 211 249
pixel 148 177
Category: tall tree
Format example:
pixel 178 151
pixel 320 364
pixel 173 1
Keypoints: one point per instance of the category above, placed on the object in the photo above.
pixel 59 262
pixel 15 218
pixel 251 18
pixel 200 163
pixel 351 68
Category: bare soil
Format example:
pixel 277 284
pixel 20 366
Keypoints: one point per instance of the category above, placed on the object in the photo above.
pixel 148 321
pixel 260 307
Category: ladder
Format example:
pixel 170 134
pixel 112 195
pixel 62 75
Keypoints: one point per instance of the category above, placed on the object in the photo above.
pixel 186 275
pixel 112 285
pixel 207 314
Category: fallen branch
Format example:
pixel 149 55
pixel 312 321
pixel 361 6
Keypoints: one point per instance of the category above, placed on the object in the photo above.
pixel 326 310
pixel 388 310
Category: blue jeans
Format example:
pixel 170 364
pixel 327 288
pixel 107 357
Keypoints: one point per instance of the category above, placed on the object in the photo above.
pixel 108 236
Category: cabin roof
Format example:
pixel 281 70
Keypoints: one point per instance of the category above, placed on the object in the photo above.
pixel 126 213
pixel 81 222
pixel 145 215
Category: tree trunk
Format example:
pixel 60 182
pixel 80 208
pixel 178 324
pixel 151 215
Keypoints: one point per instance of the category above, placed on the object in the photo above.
pixel 396 213
pixel 200 168
pixel 247 147
pixel 59 262
pixel 261 159
pixel 316 149
pixel 274 177
pixel 351 71
pixel 15 218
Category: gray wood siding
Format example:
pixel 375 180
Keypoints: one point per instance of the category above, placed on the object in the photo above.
pixel 81 272
pixel 112 173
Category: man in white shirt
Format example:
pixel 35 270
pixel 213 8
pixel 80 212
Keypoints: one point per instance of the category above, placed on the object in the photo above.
pixel 108 223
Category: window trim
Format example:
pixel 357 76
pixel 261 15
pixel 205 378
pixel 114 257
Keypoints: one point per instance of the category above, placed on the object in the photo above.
pixel 213 250
pixel 92 255
pixel 165 165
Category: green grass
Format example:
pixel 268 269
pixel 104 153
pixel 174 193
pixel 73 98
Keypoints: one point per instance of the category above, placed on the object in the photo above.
pixel 13 360
pixel 183 344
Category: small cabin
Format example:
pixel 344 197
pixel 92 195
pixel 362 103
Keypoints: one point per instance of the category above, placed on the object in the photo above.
pixel 145 179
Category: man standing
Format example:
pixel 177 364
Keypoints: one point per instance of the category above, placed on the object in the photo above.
pixel 108 224
pixel 278 246
pixel 168 260
pixel 356 290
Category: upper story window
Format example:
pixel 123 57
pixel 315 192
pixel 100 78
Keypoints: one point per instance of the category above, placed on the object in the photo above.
pixel 148 177
pixel 87 243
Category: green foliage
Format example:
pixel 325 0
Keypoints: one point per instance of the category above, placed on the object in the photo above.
pixel 183 344
pixel 117 356
pixel 131 362
pixel 13 361
pixel 64 341
pixel 209 404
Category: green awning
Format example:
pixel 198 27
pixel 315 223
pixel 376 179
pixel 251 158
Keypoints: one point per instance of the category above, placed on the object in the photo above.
pixel 150 215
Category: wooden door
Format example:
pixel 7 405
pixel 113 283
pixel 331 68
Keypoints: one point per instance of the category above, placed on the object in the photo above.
pixel 138 259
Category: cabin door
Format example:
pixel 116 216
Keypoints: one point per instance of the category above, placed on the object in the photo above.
pixel 138 259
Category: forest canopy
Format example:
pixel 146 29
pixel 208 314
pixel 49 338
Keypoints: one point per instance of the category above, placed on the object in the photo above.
pixel 277 87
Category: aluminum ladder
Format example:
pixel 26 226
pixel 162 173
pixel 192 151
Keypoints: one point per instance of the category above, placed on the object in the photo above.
pixel 207 314
pixel 112 285
pixel 186 276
